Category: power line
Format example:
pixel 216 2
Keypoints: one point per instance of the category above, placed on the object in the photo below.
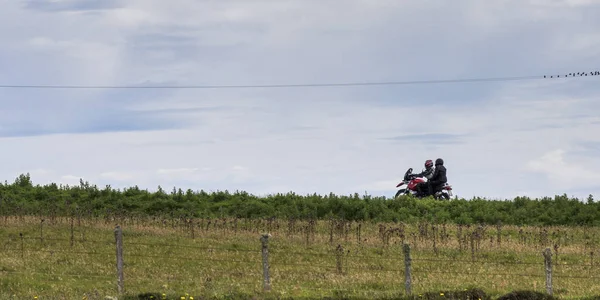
pixel 343 84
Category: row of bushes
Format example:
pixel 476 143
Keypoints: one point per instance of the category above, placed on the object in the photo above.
pixel 22 197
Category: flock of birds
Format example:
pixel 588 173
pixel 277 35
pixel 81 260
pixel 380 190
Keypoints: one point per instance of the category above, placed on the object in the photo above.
pixel 578 74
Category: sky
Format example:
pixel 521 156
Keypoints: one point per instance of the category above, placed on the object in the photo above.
pixel 499 139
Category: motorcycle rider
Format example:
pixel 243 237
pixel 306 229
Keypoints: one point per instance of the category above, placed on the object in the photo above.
pixel 427 173
pixel 438 178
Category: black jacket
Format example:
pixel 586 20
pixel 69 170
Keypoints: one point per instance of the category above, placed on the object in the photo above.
pixel 439 175
pixel 426 173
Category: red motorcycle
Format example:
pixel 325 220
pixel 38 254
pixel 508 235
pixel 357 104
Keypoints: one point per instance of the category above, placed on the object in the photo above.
pixel 411 180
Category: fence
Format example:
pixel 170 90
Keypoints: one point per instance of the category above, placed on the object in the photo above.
pixel 335 257
pixel 263 256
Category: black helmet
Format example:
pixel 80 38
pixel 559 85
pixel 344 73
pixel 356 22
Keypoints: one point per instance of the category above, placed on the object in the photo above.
pixel 439 161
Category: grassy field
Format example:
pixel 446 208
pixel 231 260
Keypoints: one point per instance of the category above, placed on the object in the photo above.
pixel 70 258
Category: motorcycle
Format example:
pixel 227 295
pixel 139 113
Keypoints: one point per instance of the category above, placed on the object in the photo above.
pixel 411 180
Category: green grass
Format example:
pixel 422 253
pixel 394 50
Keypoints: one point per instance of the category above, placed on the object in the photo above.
pixel 223 261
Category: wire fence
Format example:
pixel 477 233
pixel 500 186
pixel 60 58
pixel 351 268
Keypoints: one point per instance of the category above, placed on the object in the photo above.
pixel 265 266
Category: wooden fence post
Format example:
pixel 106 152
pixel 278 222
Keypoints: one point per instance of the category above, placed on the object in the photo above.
pixel 407 266
pixel 22 245
pixel 548 265
pixel 119 244
pixel 499 233
pixel 265 258
pixel 192 227
pixel 472 237
pixel 339 256
pixel 72 233
pixel 42 231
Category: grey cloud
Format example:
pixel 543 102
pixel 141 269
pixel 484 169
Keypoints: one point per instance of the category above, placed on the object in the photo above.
pixel 429 138
pixel 583 192
pixel 206 44
pixel 456 56
pixel 88 111
pixel 293 47
pixel 576 116
pixel 73 5
pixel 304 128
pixel 443 96
pixel 170 46
pixel 558 122
pixel 541 127
pixel 287 129
pixel 592 145
pixel 587 148
pixel 174 143
pixel 185 110
pixel 102 121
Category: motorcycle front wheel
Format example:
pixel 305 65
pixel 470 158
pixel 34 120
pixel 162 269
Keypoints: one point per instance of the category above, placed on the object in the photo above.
pixel 400 192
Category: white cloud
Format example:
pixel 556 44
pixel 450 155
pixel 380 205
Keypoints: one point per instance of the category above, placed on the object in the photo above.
pixel 70 180
pixel 39 172
pixel 178 174
pixel 379 186
pixel 177 171
pixel 118 176
pixel 128 17
pixel 567 175
pixel 576 3
pixel 307 140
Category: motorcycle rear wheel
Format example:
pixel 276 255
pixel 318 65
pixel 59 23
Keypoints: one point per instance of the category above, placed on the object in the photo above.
pixel 442 196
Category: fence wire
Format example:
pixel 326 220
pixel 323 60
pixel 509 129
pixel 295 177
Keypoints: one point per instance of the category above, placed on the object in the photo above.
pixel 279 261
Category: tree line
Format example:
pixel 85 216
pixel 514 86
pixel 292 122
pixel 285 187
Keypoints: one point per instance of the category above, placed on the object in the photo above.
pixel 22 197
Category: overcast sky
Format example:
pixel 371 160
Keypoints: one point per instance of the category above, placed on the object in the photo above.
pixel 499 139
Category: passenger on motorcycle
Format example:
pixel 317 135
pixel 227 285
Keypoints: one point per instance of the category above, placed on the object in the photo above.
pixel 438 178
pixel 427 173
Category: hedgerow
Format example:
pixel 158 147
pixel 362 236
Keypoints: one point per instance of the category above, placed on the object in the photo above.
pixel 22 197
